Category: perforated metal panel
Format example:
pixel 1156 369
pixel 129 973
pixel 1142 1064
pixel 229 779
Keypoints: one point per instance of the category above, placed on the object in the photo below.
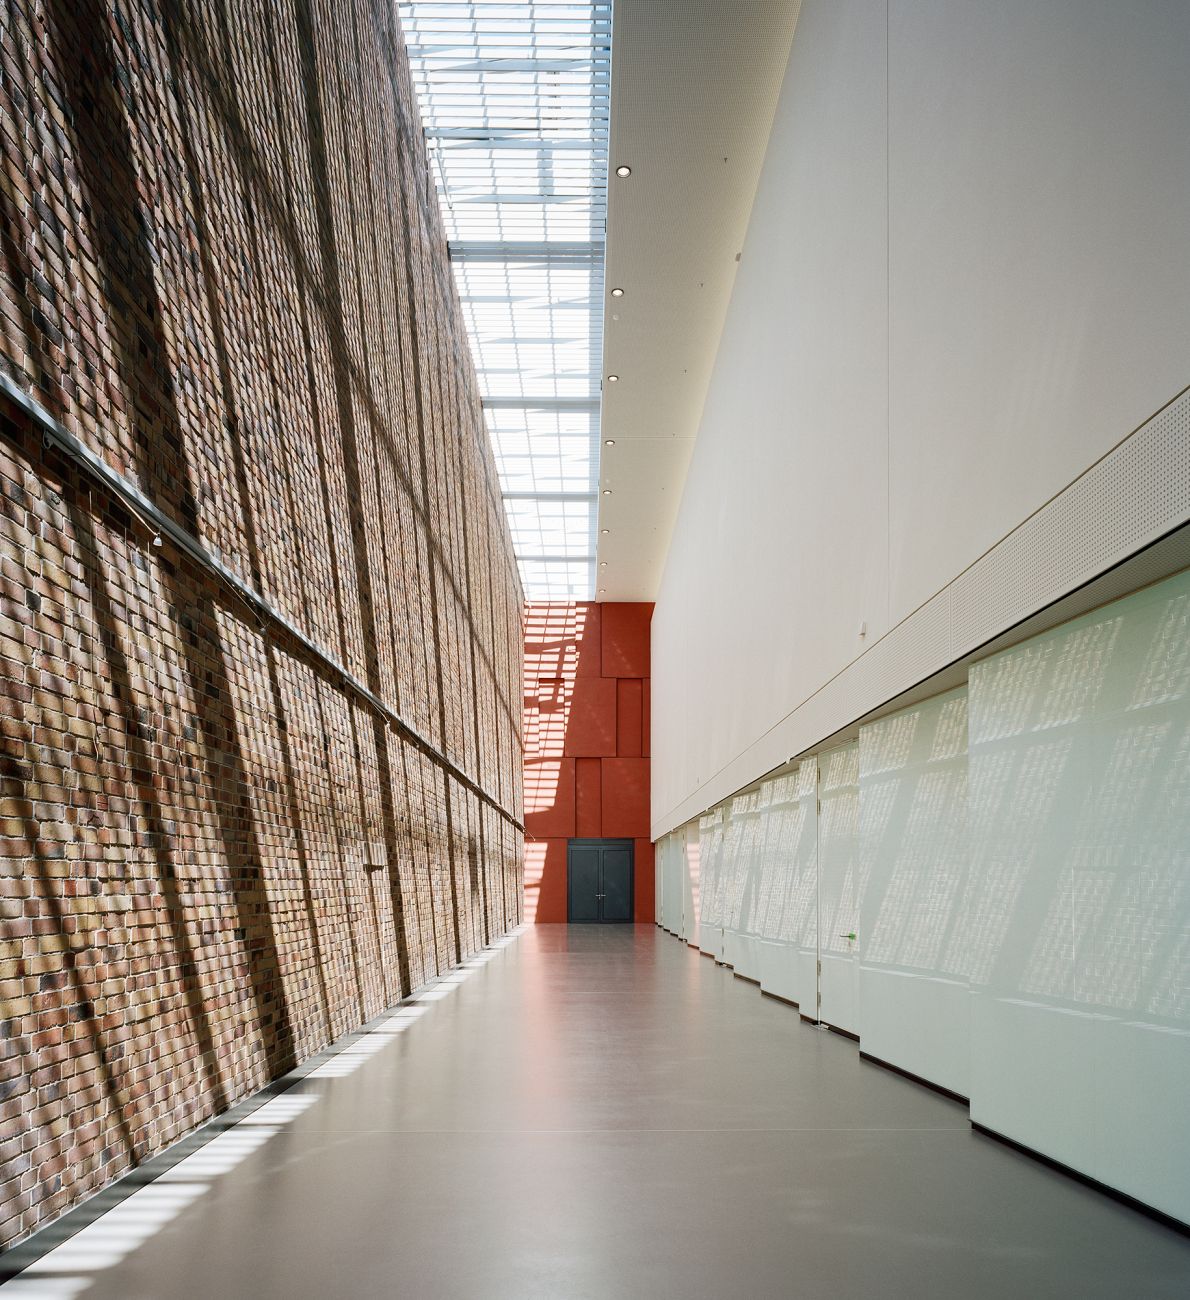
pixel 1132 497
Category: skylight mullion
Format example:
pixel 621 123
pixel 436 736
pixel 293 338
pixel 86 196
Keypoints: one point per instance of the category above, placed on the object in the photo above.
pixel 516 100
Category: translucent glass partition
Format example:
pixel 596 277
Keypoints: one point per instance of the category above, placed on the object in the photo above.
pixel 1078 927
pixel 914 1002
pixel 514 103
pixel 840 886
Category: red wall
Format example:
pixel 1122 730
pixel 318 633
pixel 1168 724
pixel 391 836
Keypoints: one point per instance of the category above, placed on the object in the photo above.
pixel 586 743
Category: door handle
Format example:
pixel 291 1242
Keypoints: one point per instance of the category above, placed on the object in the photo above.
pixel 852 935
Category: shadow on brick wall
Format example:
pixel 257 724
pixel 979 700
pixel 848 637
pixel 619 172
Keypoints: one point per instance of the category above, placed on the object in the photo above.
pixel 215 760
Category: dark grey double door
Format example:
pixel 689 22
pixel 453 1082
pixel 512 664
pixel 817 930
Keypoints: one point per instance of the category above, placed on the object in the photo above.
pixel 599 881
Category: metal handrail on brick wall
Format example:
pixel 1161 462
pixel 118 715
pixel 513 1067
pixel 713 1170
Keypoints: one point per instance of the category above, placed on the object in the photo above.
pixel 56 436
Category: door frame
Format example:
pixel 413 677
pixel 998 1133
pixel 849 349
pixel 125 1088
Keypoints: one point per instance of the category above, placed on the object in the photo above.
pixel 601 843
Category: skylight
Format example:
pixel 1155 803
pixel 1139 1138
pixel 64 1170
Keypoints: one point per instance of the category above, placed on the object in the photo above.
pixel 514 102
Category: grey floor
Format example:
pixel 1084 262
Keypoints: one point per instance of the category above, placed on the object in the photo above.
pixel 600 1112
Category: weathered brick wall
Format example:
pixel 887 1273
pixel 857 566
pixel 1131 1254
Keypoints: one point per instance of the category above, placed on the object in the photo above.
pixel 222 270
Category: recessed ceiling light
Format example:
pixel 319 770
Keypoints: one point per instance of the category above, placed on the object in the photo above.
pixel 623 170
pixel 609 442
pixel 607 492
pixel 602 588
pixel 617 293
pixel 603 564
pixel 605 530
pixel 613 379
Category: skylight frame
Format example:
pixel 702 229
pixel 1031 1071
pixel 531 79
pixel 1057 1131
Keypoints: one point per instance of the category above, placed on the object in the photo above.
pixel 515 104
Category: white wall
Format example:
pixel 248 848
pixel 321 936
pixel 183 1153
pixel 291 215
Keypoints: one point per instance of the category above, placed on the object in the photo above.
pixel 963 283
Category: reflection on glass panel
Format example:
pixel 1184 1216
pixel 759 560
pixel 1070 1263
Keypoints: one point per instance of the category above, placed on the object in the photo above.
pixel 840 871
pixel 1080 811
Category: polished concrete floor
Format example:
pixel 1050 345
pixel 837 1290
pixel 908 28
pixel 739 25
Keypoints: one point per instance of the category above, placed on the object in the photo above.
pixel 600 1112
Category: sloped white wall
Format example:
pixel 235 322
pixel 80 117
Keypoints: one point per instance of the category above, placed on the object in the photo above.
pixel 964 281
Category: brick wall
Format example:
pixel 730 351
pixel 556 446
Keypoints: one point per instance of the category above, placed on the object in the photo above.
pixel 586 743
pixel 222 270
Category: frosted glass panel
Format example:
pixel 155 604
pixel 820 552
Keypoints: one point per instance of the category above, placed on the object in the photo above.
pixel 677 854
pixel 662 882
pixel 913 995
pixel 691 883
pixel 711 882
pixel 800 918
pixel 1079 924
pixel 840 885
pixel 777 956
pixel 776 868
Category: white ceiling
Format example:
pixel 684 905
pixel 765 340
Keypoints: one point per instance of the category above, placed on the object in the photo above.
pixel 694 88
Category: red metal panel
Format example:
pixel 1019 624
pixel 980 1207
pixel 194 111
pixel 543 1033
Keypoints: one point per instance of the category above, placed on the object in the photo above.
pixel 588 798
pixel 625 797
pixel 628 717
pixel 645 729
pixel 625 639
pixel 588 658
pixel 562 640
pixel 645 889
pixel 549 797
pixel 591 718
pixel 545 881
pixel 587 741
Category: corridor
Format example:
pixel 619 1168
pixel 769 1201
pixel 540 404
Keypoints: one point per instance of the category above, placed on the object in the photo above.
pixel 600 1112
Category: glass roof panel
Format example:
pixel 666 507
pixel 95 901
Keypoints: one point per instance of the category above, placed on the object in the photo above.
pixel 514 102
